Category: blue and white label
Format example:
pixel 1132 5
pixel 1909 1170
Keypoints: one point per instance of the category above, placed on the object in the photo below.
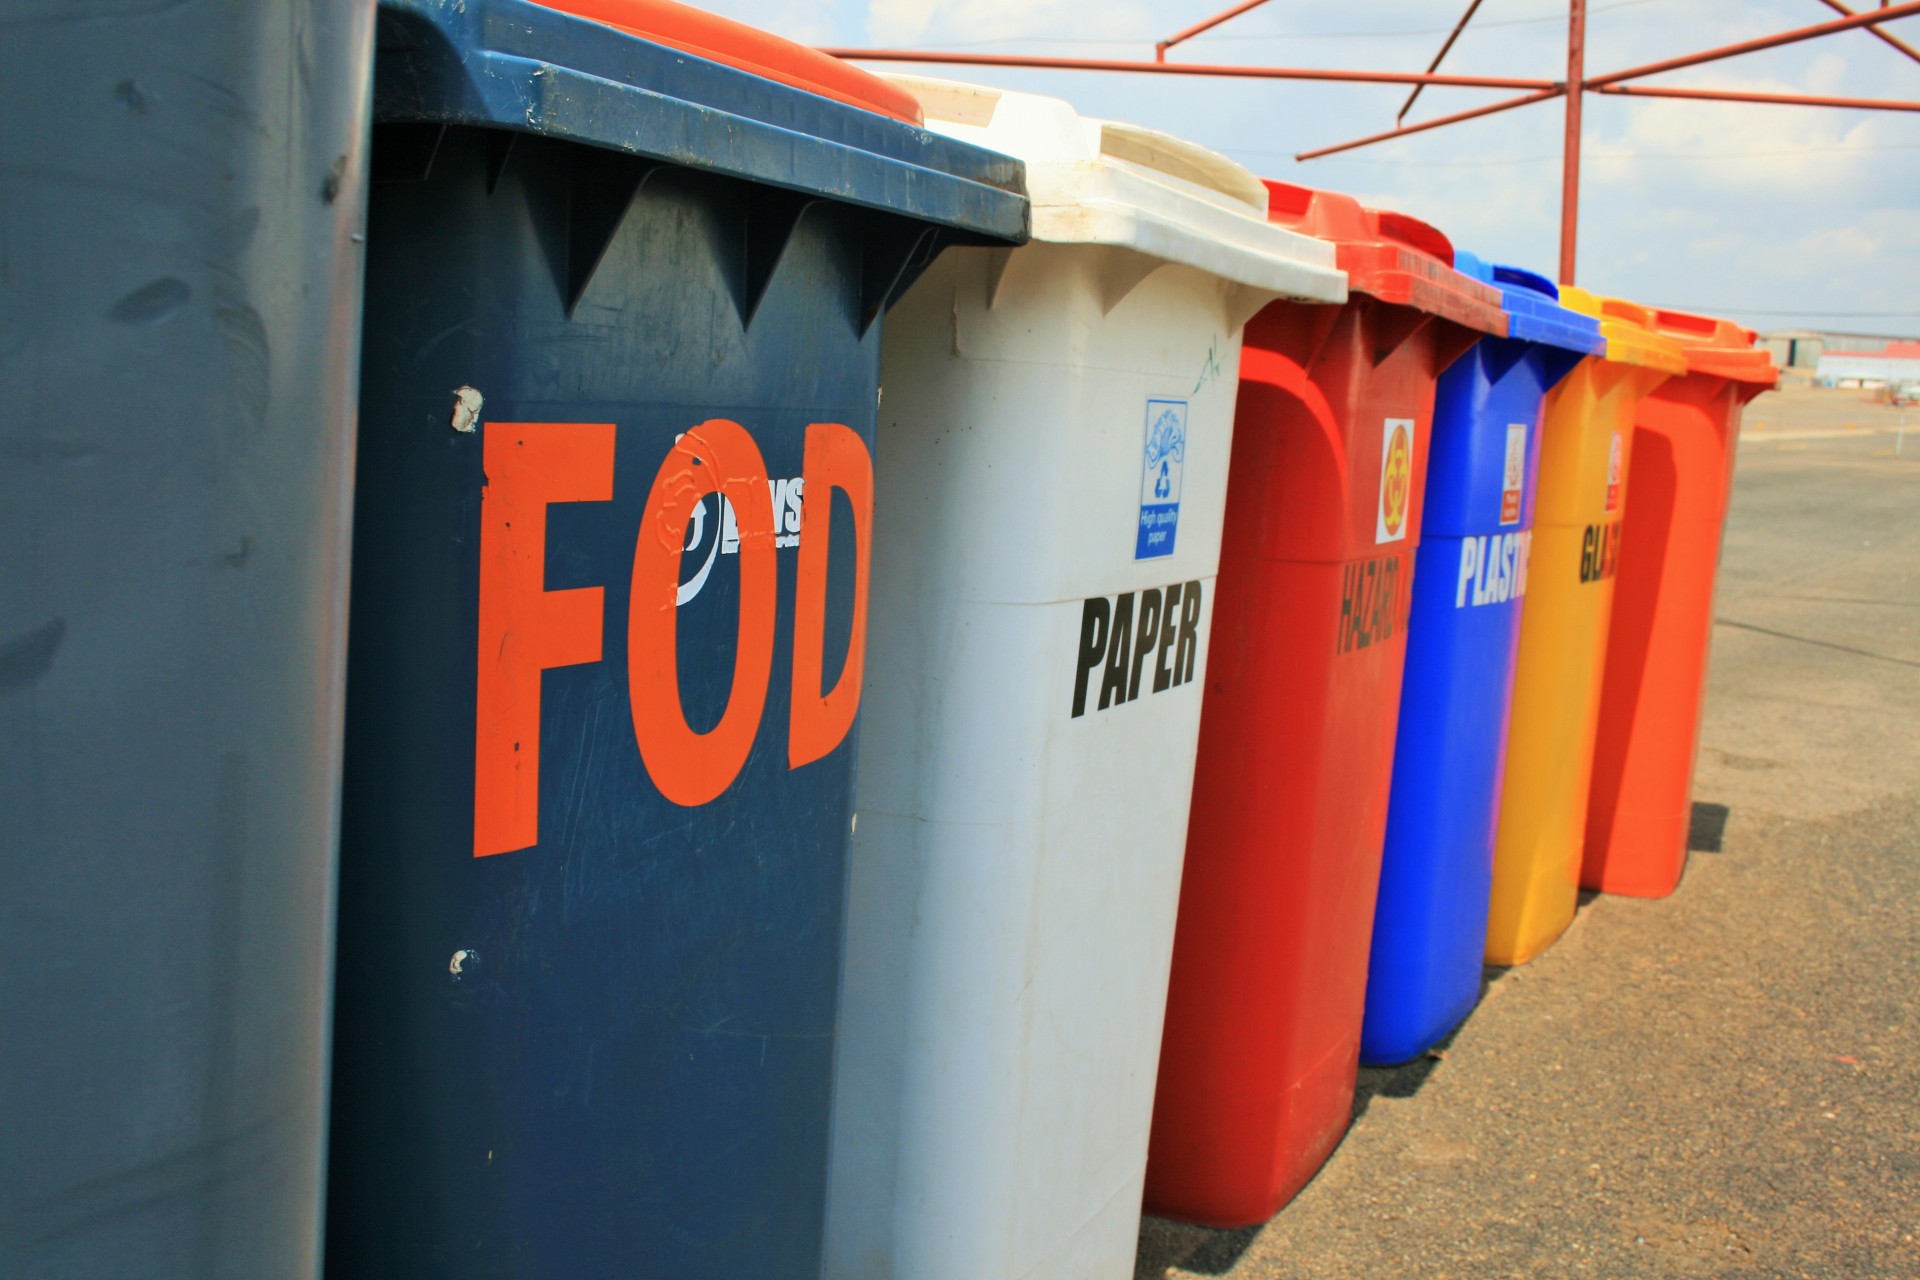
pixel 1164 459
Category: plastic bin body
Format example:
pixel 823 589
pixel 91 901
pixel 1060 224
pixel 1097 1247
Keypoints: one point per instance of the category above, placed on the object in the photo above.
pixel 599 734
pixel 1039 637
pixel 1649 732
pixel 1585 452
pixel 1470 577
pixel 1296 740
pixel 181 191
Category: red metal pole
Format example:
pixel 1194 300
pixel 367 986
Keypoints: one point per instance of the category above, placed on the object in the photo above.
pixel 1506 104
pixel 1438 58
pixel 1776 99
pixel 1906 10
pixel 1160 50
pixel 1876 32
pixel 1570 145
pixel 931 56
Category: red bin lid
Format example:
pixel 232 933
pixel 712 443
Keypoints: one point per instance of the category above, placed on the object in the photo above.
pixel 1718 347
pixel 1395 257
pixel 717 39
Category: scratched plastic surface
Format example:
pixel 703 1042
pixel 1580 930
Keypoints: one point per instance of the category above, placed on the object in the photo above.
pixel 1323 516
pixel 600 720
pixel 181 192
pixel 1470 574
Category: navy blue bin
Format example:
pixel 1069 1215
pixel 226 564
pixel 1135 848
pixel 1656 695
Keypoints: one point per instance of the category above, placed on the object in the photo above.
pixel 1430 923
pixel 621 369
pixel 183 197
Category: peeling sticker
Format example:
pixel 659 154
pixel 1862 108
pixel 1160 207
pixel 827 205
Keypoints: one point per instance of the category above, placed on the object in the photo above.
pixel 461 957
pixel 466 409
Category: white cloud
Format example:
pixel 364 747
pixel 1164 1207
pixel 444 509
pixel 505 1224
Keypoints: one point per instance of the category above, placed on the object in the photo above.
pixel 900 22
pixel 906 22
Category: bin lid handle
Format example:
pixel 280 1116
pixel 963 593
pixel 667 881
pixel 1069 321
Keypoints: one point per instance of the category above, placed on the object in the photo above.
pixel 951 101
pixel 1178 158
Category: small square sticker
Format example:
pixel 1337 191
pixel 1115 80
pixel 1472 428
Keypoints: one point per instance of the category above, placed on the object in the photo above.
pixel 1396 479
pixel 1513 478
pixel 1613 473
pixel 1163 460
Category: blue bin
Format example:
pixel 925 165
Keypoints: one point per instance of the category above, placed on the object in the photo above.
pixel 1430 923
pixel 599 725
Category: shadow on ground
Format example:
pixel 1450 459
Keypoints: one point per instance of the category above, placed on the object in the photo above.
pixel 1707 828
pixel 1213 1251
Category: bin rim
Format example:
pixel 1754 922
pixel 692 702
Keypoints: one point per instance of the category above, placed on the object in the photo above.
pixel 1632 337
pixel 1104 182
pixel 1534 313
pixel 1718 347
pixel 1392 256
pixel 747 48
pixel 524 67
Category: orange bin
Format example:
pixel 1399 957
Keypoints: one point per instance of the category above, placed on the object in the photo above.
pixel 1676 510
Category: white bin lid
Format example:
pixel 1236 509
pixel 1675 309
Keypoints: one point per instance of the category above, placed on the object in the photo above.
pixel 1096 181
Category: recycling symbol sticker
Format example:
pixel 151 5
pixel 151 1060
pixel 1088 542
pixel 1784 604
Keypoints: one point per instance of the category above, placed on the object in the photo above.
pixel 1163 459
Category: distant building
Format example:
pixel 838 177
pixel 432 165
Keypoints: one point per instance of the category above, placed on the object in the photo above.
pixel 1802 348
pixel 1895 363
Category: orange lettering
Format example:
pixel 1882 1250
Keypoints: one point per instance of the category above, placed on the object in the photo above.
pixel 691 768
pixel 524 628
pixel 836 458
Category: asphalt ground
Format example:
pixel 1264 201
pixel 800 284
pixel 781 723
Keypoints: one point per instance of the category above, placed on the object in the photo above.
pixel 1726 1082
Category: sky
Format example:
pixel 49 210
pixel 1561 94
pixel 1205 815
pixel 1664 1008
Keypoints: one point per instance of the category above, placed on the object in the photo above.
pixel 1780 217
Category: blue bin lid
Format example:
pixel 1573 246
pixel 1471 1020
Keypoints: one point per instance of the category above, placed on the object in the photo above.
pixel 1534 313
pixel 524 67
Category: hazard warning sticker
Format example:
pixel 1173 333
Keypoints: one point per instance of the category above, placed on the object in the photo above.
pixel 1513 477
pixel 1163 460
pixel 1613 473
pixel 1396 480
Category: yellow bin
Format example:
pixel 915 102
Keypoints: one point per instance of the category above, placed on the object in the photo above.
pixel 1586 443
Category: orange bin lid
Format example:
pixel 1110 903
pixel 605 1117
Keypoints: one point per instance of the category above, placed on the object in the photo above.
pixel 1395 257
pixel 1718 347
pixel 735 44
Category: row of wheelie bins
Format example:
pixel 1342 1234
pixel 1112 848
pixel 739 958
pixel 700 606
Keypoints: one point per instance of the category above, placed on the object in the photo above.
pixel 634 652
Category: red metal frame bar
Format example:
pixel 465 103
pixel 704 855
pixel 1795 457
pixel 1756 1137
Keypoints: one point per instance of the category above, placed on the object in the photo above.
pixel 1888 14
pixel 1575 88
pixel 1160 49
pixel 1439 57
pixel 1190 68
pixel 1875 32
pixel 1570 145
pixel 1505 104
pixel 1776 99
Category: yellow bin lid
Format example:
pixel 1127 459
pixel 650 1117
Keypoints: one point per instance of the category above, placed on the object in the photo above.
pixel 1631 330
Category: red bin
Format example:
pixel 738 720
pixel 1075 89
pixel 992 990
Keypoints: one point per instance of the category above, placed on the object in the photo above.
pixel 1683 453
pixel 1299 711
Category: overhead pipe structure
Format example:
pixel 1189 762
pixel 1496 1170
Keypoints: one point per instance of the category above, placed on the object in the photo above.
pixel 1574 88
pixel 1438 58
pixel 1570 144
pixel 1876 32
pixel 1188 68
pixel 1778 99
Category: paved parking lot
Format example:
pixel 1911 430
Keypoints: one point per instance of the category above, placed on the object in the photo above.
pixel 1727 1082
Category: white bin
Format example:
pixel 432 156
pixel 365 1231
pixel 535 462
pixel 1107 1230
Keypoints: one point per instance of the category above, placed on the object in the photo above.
pixel 1055 425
